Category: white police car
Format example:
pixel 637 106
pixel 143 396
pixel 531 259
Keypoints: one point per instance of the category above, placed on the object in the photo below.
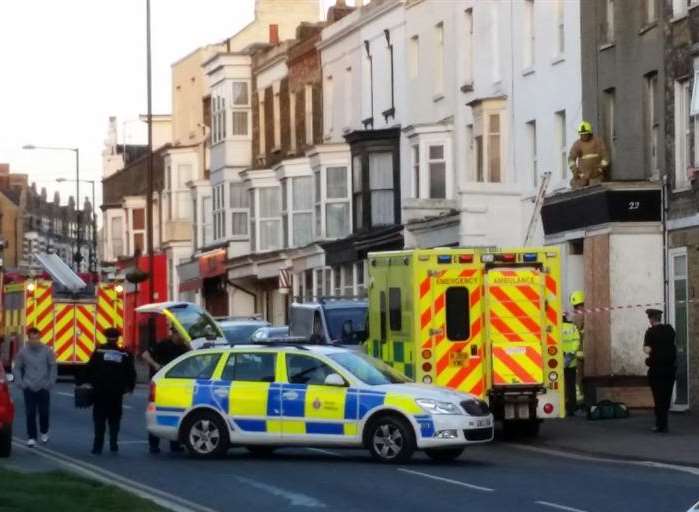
pixel 263 397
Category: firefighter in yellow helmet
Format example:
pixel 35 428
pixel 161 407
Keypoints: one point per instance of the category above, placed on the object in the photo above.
pixel 572 351
pixel 588 158
pixel 577 301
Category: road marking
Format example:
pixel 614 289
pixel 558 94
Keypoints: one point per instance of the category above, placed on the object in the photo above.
pixel 557 506
pixel 590 458
pixel 91 471
pixel 295 499
pixel 448 480
pixel 71 395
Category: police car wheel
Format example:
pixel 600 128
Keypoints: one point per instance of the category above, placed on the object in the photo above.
pixel 391 440
pixel 205 435
pixel 444 454
pixel 261 450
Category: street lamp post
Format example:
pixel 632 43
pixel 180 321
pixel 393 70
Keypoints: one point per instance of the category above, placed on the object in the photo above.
pixel 93 247
pixel 77 257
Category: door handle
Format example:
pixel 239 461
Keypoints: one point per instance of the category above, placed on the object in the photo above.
pixel 290 395
pixel 221 392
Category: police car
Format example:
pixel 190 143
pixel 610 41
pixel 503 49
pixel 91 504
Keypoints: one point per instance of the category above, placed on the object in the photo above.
pixel 265 397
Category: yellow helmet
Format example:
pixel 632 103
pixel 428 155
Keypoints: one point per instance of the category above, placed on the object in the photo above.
pixel 577 298
pixel 585 128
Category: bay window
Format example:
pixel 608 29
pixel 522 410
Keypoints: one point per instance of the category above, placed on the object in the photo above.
pixel 381 188
pixel 239 204
pixel 268 218
pixel 337 203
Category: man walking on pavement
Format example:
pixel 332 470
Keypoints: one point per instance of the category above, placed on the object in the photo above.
pixel 111 373
pixel 571 352
pixel 659 344
pixel 588 158
pixel 158 355
pixel 36 373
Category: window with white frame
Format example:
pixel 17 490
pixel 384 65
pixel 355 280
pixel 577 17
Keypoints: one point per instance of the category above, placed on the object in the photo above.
pixel 439 59
pixel 308 120
pixel 531 143
pixel 318 204
pixel 261 121
pixel 360 278
pixel 241 105
pixel 648 11
pixel 240 207
pixel 276 116
pixel 414 56
pixel 207 223
pixel 681 7
pixel 529 43
pixel 253 215
pixel 182 198
pixel 302 211
pixel 561 143
pixel 608 25
pixel 117 237
pixel 292 121
pixel 437 171
pixel 652 125
pixel 487 145
pixel 381 188
pixel 269 220
pixel 357 192
pixel 560 27
pixel 220 117
pixel 337 223
pixel 416 170
pixel 348 280
pixel 683 136
pixel 219 211
pixel 468 50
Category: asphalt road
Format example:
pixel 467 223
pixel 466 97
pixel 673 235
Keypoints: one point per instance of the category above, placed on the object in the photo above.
pixel 492 478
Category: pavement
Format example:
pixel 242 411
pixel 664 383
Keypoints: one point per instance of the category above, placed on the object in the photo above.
pixel 550 473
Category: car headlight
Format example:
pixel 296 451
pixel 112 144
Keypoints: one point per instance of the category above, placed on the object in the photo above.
pixel 436 407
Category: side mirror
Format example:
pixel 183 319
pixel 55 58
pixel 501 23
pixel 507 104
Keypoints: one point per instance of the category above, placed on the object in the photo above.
pixel 334 380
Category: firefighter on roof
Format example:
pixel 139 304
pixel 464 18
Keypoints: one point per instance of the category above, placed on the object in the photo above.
pixel 588 158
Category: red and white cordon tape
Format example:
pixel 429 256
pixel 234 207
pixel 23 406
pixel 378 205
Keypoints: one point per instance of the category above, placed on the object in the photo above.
pixel 603 309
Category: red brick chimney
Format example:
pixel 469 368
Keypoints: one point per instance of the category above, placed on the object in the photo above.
pixel 274 34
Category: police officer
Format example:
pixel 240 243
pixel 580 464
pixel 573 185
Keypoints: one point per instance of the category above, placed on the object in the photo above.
pixel 659 344
pixel 111 373
pixel 571 353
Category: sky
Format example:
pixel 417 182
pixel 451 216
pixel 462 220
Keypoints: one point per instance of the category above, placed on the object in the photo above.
pixel 67 65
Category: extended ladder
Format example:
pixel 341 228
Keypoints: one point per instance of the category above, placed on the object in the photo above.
pixel 538 203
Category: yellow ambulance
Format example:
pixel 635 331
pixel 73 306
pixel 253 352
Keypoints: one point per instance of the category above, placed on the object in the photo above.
pixel 481 321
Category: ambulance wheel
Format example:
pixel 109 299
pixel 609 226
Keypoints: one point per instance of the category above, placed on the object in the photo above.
pixel 444 454
pixel 390 439
pixel 261 451
pixel 205 435
pixel 5 442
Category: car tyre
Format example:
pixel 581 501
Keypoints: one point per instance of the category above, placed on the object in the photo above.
pixel 261 451
pixel 444 454
pixel 6 442
pixel 205 435
pixel 390 439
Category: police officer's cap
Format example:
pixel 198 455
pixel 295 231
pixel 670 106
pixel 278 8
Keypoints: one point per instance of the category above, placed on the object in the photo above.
pixel 654 313
pixel 112 333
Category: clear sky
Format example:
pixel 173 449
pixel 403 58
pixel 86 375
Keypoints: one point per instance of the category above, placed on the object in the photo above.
pixel 66 66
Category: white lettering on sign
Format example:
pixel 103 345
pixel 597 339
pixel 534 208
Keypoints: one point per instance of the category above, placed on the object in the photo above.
pixel 451 281
pixel 514 280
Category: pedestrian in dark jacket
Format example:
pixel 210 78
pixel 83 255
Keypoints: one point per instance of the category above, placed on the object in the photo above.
pixel 35 374
pixel 659 344
pixel 111 373
pixel 158 355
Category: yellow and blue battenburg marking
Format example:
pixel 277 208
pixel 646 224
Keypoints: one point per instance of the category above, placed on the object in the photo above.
pixel 291 409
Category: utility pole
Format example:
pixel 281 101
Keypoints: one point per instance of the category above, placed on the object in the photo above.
pixel 149 193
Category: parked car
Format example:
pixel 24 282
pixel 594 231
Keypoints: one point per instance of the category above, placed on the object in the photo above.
pixel 7 414
pixel 334 321
pixel 270 333
pixel 239 331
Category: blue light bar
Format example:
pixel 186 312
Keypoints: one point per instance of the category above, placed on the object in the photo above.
pixel 529 257
pixel 444 258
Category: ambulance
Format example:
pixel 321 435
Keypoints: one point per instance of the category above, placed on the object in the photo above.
pixel 481 321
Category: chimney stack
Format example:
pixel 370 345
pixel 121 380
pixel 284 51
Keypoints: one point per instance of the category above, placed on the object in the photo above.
pixel 274 34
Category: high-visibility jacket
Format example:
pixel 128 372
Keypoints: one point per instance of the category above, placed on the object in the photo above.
pixel 570 344
pixel 588 157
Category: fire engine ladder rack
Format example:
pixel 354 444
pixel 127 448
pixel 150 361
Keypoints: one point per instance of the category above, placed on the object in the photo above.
pixel 538 203
pixel 60 272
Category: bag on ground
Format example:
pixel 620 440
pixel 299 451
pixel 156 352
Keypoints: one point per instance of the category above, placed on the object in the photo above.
pixel 608 410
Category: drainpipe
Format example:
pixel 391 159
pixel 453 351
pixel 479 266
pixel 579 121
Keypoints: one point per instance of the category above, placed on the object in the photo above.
pixel 666 282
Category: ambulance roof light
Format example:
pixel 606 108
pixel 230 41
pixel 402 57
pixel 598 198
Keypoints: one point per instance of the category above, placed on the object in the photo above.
pixel 505 258
pixel 466 258
pixel 487 258
pixel 529 257
pixel 444 258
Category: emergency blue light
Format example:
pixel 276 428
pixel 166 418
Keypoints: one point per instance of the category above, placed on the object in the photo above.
pixel 444 258
pixel 529 257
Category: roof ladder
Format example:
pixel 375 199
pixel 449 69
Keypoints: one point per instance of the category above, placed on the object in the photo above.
pixel 538 203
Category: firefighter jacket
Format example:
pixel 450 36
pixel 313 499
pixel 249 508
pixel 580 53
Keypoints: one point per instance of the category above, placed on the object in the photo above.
pixel 571 346
pixel 111 371
pixel 588 158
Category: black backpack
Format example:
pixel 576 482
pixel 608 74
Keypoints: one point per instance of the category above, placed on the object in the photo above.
pixel 607 410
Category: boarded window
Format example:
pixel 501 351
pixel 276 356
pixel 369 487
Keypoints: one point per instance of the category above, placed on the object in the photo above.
pixel 394 309
pixel 458 314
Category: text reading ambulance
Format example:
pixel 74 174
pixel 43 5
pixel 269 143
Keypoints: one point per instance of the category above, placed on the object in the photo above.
pixel 484 322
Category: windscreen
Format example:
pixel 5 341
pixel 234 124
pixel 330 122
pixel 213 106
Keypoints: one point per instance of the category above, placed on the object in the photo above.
pixel 347 325
pixel 197 322
pixel 369 370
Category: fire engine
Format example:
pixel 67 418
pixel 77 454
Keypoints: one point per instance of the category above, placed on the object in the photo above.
pixel 481 321
pixel 71 315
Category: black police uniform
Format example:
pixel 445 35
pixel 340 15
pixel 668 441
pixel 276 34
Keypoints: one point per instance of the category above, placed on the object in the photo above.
pixel 111 372
pixel 661 370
